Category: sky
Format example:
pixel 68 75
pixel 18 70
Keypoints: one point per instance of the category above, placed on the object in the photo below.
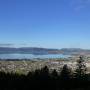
pixel 45 23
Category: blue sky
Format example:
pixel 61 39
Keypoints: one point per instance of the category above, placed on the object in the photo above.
pixel 45 23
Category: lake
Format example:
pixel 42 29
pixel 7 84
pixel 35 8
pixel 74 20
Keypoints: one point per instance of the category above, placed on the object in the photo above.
pixel 31 56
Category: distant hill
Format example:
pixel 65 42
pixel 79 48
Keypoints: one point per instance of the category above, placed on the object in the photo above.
pixel 42 51
pixel 28 50
pixel 75 51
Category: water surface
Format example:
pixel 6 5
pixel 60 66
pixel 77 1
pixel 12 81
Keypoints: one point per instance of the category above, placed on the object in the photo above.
pixel 31 56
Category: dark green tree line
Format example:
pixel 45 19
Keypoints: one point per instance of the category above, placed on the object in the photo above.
pixel 43 79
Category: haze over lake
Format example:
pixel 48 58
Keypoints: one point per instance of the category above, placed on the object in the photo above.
pixel 31 56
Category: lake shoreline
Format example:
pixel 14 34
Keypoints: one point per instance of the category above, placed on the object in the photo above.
pixel 31 56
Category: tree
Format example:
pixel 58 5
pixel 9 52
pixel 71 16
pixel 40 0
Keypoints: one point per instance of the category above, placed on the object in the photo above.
pixel 44 72
pixel 81 69
pixel 65 73
pixel 54 74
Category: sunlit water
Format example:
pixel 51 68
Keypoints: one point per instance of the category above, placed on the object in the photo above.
pixel 31 56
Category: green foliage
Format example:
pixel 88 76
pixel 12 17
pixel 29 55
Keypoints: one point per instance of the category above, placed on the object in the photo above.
pixel 65 73
pixel 54 74
pixel 42 79
pixel 81 69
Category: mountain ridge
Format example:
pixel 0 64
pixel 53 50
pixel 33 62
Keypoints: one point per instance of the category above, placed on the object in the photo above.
pixel 41 51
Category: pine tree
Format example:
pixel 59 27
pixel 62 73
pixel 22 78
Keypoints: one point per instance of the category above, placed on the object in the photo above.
pixel 65 73
pixel 54 74
pixel 81 69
